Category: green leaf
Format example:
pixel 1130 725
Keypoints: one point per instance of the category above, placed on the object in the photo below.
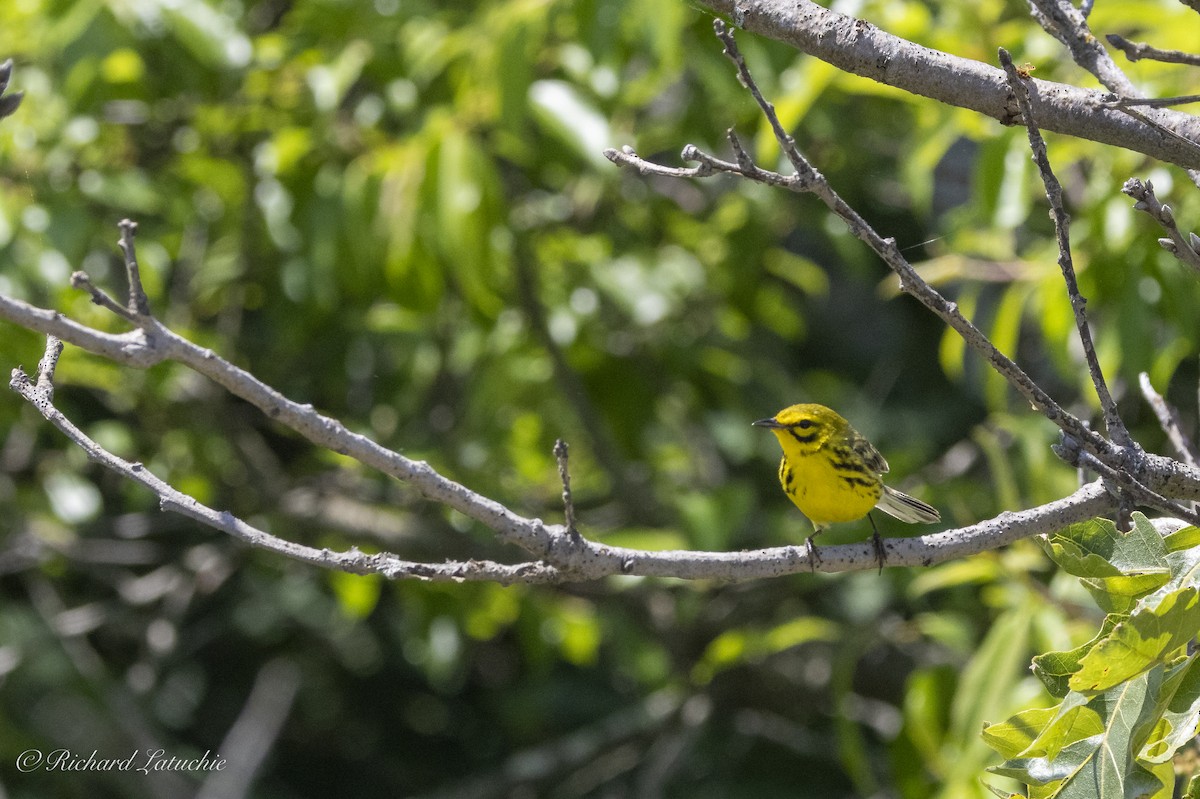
pixel 1184 538
pixel 1097 549
pixel 1075 719
pixel 1102 764
pixel 1054 669
pixel 1181 716
pixel 1148 637
pixel 1011 738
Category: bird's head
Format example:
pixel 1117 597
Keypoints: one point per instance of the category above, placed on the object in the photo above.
pixel 807 426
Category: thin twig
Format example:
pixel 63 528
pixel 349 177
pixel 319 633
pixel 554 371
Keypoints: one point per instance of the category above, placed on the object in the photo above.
pixel 1063 21
pixel 1153 102
pixel 1186 249
pixel 860 48
pixel 47 365
pixel 352 561
pixel 628 156
pixel 560 454
pixel 1168 419
pixel 80 280
pixel 587 560
pixel 1062 222
pixel 808 179
pixel 139 303
pixel 1129 486
pixel 1135 51
pixel 1069 25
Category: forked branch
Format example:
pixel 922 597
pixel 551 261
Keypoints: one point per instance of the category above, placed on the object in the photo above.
pixel 561 553
pixel 1120 460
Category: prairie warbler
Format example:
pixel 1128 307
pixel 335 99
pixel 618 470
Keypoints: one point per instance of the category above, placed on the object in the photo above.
pixel 833 474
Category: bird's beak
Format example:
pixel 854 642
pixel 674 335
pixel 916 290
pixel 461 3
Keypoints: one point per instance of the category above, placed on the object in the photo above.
pixel 771 423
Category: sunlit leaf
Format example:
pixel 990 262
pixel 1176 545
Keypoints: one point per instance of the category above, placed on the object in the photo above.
pixel 1147 637
pixel 1054 669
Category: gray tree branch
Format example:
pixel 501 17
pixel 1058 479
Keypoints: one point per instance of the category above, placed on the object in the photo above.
pixel 570 558
pixel 858 47
pixel 559 553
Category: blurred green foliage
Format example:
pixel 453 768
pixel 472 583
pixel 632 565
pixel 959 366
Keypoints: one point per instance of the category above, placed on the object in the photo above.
pixel 398 212
pixel 1130 697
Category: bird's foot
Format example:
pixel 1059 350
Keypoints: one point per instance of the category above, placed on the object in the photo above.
pixel 813 557
pixel 881 554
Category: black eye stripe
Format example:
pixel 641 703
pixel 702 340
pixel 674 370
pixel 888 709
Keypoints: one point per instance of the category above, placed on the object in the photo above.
pixel 808 439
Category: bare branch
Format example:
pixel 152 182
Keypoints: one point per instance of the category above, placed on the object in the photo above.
pixel 134 348
pixel 1153 102
pixel 808 179
pixel 47 365
pixel 560 454
pixel 138 302
pixel 573 559
pixel 81 280
pixel 352 561
pixel 1129 486
pixel 628 157
pixel 1069 25
pixel 1186 249
pixel 860 48
pixel 1062 223
pixel 709 165
pixel 1168 419
pixel 1135 51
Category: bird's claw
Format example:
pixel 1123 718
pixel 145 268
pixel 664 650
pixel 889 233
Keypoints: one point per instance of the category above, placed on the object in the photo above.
pixel 880 552
pixel 813 557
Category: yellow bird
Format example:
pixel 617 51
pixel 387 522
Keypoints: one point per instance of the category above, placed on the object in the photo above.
pixel 834 475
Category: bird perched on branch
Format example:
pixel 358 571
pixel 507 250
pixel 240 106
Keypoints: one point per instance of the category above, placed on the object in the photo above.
pixel 834 475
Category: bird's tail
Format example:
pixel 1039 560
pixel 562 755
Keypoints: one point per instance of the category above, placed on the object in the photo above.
pixel 905 508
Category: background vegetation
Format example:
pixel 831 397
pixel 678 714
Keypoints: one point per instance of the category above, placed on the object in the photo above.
pixel 399 212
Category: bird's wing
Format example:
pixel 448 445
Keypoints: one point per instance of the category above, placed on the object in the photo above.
pixel 870 456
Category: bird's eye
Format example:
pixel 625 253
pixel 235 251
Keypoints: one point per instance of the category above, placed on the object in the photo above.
pixel 804 424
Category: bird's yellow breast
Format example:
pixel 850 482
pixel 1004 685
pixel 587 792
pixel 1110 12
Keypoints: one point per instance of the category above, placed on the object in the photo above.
pixel 825 493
